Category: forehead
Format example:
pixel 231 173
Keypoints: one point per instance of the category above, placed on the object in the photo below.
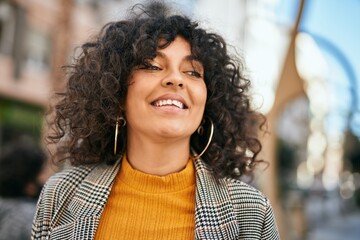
pixel 178 42
pixel 179 47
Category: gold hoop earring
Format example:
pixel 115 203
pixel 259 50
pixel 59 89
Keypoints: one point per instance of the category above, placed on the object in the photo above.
pixel 208 142
pixel 118 120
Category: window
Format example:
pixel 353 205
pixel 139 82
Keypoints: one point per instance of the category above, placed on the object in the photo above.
pixel 13 26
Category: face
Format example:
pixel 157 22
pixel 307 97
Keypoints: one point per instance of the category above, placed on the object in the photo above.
pixel 166 98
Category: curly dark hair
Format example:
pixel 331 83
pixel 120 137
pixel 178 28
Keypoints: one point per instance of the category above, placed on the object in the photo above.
pixel 96 89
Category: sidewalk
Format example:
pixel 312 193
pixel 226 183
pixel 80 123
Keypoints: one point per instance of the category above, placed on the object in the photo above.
pixel 345 227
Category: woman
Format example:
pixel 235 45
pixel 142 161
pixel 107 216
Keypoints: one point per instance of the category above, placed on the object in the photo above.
pixel 157 123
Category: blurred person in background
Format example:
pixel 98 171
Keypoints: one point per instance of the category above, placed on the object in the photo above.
pixel 156 121
pixel 21 164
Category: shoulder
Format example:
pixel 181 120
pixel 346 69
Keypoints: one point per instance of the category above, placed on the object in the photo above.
pixel 242 193
pixel 252 210
pixel 81 180
pixel 68 177
pixel 72 194
pixel 56 195
pixel 64 183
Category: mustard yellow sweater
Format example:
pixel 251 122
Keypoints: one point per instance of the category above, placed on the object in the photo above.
pixel 144 206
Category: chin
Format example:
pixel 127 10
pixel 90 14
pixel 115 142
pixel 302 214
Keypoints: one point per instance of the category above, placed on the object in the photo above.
pixel 175 132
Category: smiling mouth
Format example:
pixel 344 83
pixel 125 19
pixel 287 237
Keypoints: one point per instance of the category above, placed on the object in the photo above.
pixel 169 102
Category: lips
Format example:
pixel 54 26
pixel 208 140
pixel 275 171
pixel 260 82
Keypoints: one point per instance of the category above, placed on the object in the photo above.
pixel 170 101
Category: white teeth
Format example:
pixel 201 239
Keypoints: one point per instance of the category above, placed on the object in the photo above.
pixel 169 102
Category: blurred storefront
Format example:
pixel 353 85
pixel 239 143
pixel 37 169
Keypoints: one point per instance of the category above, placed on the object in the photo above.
pixel 25 69
pixel 19 120
pixel 36 39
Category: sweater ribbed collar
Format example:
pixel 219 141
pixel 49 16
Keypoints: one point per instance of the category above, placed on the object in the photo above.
pixel 144 182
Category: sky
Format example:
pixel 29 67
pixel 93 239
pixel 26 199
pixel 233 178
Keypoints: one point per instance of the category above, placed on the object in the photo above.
pixel 334 26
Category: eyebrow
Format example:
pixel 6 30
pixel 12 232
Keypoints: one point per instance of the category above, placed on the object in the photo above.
pixel 189 58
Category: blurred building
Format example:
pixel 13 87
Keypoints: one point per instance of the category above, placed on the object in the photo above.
pixel 25 47
pixel 36 38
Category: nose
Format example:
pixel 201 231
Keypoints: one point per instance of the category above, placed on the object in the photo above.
pixel 173 79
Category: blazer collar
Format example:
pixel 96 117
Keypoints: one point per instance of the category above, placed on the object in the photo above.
pixel 214 213
pixel 93 192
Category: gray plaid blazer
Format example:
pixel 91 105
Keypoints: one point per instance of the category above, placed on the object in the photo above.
pixel 72 201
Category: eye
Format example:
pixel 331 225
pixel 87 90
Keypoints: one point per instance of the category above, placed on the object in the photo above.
pixel 194 68
pixel 194 73
pixel 150 67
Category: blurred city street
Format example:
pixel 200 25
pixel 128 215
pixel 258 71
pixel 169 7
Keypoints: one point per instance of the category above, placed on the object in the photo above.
pixel 329 217
pixel 339 227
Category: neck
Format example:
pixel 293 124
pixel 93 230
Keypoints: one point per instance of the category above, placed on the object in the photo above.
pixel 158 157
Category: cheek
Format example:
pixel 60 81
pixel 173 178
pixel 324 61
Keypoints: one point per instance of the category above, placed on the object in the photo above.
pixel 131 100
pixel 201 94
pixel 134 91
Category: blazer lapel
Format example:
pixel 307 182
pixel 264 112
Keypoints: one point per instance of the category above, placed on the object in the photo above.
pixel 90 199
pixel 214 214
